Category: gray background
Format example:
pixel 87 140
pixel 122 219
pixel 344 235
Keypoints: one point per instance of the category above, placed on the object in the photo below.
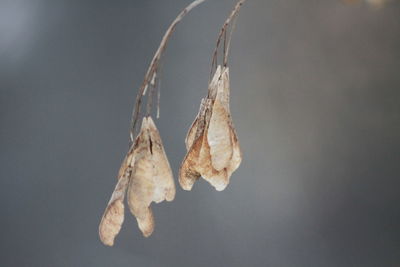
pixel 315 100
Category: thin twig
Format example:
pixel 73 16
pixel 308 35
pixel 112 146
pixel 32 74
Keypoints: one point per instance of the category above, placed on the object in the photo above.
pixel 222 34
pixel 155 63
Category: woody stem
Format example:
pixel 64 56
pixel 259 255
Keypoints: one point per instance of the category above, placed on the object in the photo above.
pixel 152 70
pixel 227 40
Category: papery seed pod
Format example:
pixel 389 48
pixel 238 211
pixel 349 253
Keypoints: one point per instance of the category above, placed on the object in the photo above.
pixel 213 86
pixel 141 184
pixel 188 172
pixel 126 163
pixel 189 169
pixel 113 217
pixel 165 186
pixel 151 178
pixel 199 124
pixel 146 174
pixel 213 148
pixel 221 133
pixel 195 129
pixel 218 137
pixel 236 155
pixel 217 178
pixel 219 128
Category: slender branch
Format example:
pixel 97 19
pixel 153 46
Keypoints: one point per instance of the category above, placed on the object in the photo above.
pixel 222 34
pixel 152 70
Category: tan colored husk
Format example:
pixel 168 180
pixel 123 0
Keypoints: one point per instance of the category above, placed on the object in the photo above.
pixel 213 147
pixel 146 175
pixel 113 217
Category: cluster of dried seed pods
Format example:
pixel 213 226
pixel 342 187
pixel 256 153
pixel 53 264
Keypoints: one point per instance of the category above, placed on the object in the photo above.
pixel 213 153
pixel 147 177
pixel 213 150
pixel 212 144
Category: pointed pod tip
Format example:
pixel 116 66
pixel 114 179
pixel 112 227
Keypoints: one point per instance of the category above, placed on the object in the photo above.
pixel 146 223
pixel 150 120
pixel 220 188
pixel 111 222
pixel 108 243
pixel 170 194
pixel 185 186
pixel 147 234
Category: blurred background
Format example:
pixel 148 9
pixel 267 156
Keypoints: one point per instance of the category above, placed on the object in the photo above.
pixel 315 100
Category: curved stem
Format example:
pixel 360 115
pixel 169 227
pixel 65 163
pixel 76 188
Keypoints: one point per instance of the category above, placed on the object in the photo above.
pixel 227 41
pixel 152 70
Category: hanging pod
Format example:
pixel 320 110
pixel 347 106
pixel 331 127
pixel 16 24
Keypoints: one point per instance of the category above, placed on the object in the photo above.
pixel 146 175
pixel 213 150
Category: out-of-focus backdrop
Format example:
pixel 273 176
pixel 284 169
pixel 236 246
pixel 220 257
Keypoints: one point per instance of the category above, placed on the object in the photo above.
pixel 315 100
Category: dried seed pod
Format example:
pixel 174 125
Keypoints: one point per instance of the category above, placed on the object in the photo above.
pixel 218 137
pixel 219 130
pixel 213 86
pixel 151 178
pixel 126 163
pixel 197 127
pixel 113 217
pixel 213 148
pixel 194 129
pixel 188 173
pixel 165 186
pixel 236 155
pixel 217 178
pixel 146 174
pixel 141 185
